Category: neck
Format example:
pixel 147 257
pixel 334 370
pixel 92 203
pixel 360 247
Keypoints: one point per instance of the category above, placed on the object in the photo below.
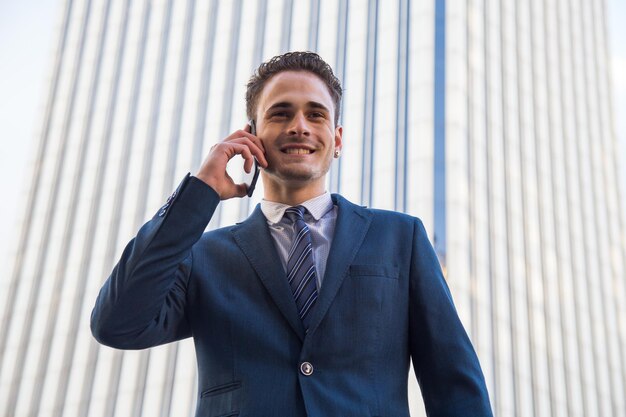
pixel 292 194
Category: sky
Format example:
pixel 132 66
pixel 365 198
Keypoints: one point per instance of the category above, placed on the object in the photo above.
pixel 28 29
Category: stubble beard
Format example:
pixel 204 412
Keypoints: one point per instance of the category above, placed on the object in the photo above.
pixel 298 173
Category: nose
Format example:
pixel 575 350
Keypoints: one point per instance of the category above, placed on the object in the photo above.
pixel 299 125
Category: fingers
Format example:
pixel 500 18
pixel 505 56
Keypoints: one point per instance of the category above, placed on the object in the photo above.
pixel 247 130
pixel 236 190
pixel 253 142
pixel 241 147
pixel 245 151
pixel 258 153
pixel 247 165
pixel 213 169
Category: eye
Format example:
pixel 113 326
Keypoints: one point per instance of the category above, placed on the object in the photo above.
pixel 279 115
pixel 317 115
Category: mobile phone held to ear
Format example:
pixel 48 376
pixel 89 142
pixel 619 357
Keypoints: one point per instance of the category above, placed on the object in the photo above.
pixel 251 178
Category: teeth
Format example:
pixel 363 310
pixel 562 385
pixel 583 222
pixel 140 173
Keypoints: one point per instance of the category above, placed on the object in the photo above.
pixel 297 151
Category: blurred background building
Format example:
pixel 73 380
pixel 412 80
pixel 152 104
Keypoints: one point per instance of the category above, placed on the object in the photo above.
pixel 489 119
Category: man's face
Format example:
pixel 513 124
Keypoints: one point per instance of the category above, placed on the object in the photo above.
pixel 295 121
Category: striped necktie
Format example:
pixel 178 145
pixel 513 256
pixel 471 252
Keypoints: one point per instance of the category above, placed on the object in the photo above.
pixel 300 266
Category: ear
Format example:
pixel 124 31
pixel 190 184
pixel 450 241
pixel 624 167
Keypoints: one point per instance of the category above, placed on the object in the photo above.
pixel 338 137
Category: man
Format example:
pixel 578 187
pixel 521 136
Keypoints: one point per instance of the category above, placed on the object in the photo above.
pixel 313 306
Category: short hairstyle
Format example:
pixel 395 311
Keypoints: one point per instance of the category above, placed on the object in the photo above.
pixel 292 61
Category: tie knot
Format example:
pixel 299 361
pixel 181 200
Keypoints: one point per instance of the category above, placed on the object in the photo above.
pixel 295 213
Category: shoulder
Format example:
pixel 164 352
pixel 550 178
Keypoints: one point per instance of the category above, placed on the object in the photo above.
pixel 374 213
pixel 217 233
pixel 255 224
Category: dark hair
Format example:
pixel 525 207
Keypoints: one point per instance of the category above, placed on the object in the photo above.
pixel 292 61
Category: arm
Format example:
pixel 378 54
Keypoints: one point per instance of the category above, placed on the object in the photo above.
pixel 142 304
pixel 445 363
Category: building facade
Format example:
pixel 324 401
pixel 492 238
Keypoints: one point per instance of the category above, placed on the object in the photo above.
pixel 490 120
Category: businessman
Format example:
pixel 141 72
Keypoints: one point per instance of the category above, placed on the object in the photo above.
pixel 313 306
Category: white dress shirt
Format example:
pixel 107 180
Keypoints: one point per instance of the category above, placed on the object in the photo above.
pixel 320 216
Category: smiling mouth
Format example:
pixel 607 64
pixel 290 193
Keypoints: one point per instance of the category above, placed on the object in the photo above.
pixel 297 151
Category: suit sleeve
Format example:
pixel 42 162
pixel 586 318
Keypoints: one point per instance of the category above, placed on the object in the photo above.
pixel 143 302
pixel 445 363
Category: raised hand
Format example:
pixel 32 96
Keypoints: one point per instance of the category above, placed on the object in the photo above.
pixel 213 169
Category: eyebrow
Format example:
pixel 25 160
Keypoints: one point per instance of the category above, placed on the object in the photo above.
pixel 316 105
pixel 281 105
pixel 287 105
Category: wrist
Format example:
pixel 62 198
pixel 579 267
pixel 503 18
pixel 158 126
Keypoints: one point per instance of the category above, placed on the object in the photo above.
pixel 209 182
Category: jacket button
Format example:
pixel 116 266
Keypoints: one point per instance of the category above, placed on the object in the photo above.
pixel 306 368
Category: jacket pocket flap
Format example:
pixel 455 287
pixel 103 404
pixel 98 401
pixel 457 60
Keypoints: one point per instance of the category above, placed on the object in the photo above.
pixel 221 389
pixel 221 400
pixel 386 271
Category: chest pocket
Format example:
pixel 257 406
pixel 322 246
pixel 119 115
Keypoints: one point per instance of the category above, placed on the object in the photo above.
pixel 374 270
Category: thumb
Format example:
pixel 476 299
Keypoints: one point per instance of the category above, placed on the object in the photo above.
pixel 241 190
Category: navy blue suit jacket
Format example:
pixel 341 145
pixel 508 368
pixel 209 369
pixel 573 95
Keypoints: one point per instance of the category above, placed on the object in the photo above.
pixel 383 301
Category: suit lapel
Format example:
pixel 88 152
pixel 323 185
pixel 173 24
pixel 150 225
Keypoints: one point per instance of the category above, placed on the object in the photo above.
pixel 254 239
pixel 352 224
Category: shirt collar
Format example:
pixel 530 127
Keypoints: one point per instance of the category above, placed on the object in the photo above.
pixel 317 207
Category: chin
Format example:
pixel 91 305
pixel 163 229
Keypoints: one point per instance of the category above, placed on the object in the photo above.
pixel 297 176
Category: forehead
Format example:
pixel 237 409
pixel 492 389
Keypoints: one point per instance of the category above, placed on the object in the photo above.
pixel 296 87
